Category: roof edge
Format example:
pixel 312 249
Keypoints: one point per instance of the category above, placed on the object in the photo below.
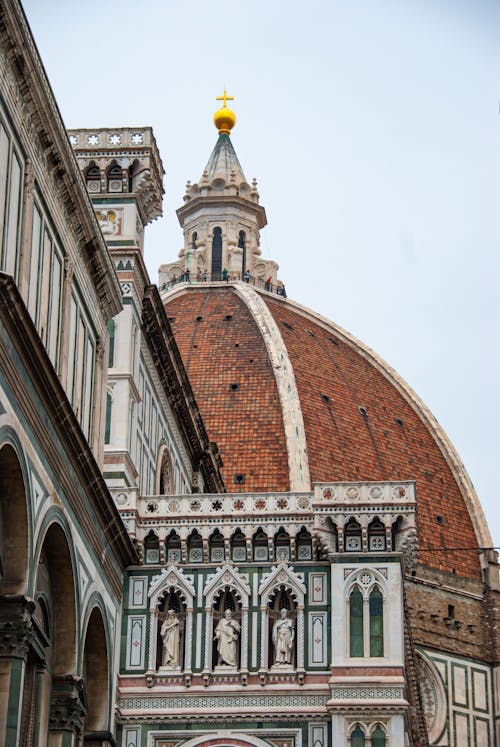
pixel 446 447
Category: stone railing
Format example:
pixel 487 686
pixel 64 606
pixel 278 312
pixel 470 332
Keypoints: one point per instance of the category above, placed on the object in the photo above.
pixel 364 494
pixel 224 505
pixel 119 137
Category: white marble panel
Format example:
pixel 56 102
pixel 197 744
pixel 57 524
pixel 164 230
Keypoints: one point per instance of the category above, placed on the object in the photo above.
pixel 136 634
pixel 317 588
pixel 137 592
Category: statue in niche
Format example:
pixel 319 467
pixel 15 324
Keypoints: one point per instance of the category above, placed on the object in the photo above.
pixel 170 637
pixel 283 637
pixel 227 633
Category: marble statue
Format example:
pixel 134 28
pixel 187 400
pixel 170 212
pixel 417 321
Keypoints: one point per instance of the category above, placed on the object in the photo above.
pixel 170 636
pixel 283 635
pixel 226 633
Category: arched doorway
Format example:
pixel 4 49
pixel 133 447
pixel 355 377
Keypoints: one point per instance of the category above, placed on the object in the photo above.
pixel 50 681
pixel 96 679
pixel 14 572
pixel 14 530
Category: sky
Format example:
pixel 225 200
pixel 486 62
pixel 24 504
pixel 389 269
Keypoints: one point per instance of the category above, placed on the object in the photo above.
pixel 373 129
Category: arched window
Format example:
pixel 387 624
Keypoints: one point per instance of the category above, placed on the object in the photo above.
pixel 93 178
pixel 133 172
pixel 396 533
pixel 304 545
pixel 115 183
pixel 238 547
pixel 358 737
pixel 378 737
pixel 242 244
pixel 173 548
pixel 282 545
pixel 352 534
pixel 165 485
pixel 107 431
pixel 217 254
pixel 260 547
pixel 217 547
pixel 195 548
pixel 376 604
pixel 151 548
pixel 376 536
pixel 356 623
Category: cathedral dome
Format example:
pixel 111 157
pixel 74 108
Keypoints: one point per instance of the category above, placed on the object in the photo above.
pixel 292 399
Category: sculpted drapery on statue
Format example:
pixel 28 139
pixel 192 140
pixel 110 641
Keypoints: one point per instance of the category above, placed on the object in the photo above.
pixel 283 637
pixel 171 639
pixel 227 634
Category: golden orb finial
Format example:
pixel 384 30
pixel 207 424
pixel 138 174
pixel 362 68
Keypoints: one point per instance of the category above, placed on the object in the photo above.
pixel 224 118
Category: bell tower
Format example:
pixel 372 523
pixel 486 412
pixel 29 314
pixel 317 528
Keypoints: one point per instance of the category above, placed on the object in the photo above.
pixel 221 218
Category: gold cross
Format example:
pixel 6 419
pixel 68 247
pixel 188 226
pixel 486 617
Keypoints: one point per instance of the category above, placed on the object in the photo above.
pixel 225 98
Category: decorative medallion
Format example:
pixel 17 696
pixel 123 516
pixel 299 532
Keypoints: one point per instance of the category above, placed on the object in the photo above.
pixel 365 578
pixel 376 492
pixel 238 504
pixel 195 505
pixel 137 138
pixel 115 139
pixel 328 494
pixel 282 503
pixel 352 493
pixel 399 492
pixel 303 502
pixel 173 506
pixel 259 503
pixel 93 139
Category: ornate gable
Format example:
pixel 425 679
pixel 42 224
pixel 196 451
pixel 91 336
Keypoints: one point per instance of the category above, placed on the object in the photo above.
pixel 282 574
pixel 227 575
pixel 171 576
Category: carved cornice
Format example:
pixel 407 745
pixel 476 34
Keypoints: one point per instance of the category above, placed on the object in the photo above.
pixel 217 201
pixel 27 68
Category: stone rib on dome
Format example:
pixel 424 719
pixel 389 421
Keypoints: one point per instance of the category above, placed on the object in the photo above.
pixel 223 162
pixel 360 422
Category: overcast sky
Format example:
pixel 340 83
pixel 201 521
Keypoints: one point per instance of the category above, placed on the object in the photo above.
pixel 373 129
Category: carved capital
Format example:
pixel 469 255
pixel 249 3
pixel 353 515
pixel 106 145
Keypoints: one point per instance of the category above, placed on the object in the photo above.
pixel 99 350
pixel 16 626
pixel 67 708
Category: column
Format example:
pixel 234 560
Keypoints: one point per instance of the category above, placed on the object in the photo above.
pixel 300 637
pixel 263 639
pixel 16 635
pixel 67 710
pixel 188 649
pixel 208 638
pixel 153 635
pixel 244 639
